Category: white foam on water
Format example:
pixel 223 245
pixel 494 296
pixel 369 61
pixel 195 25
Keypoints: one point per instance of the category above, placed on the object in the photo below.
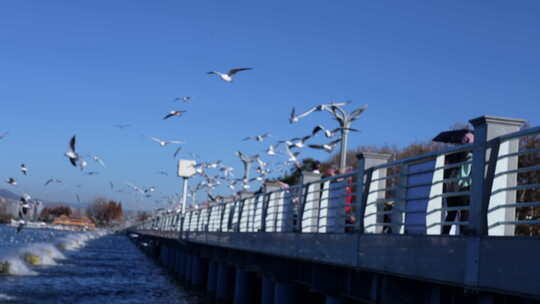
pixel 17 266
pixel 47 253
pixel 19 261
pixel 75 241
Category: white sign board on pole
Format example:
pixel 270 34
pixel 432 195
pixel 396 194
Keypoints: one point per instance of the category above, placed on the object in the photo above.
pixel 186 168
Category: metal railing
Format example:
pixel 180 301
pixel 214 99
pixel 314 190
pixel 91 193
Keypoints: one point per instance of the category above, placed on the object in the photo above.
pixel 514 199
pixel 490 187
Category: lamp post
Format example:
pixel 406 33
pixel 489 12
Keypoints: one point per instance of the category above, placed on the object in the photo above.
pixel 246 161
pixel 186 169
pixel 184 193
pixel 345 119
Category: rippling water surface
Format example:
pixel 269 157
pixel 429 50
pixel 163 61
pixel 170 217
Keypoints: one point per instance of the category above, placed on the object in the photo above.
pixel 49 266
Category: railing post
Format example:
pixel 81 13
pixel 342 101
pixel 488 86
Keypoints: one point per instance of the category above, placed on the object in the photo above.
pixel 309 221
pixel 240 205
pixel 223 207
pixel 400 205
pixel 485 129
pixel 181 228
pixel 268 187
pixel 367 160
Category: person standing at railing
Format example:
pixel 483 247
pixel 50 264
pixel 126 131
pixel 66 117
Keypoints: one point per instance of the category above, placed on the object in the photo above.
pixel 349 216
pixel 463 180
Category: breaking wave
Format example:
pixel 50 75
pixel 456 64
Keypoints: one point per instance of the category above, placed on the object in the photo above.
pixel 20 260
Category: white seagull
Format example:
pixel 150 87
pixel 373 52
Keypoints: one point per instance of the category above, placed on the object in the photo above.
pixel 82 163
pixel 213 165
pixel 71 154
pixel 228 77
pixel 258 138
pixel 326 147
pixel 300 142
pixel 24 170
pixel 183 99
pixel 50 180
pixel 227 171
pixel 271 150
pixel 327 132
pixel 174 113
pixel 295 118
pixel 296 142
pixel 293 157
pixel 99 161
pixel 135 188
pixel 11 181
pixel 356 113
pixel 150 189
pixel 163 143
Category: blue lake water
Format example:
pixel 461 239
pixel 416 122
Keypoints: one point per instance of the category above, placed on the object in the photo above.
pixel 77 267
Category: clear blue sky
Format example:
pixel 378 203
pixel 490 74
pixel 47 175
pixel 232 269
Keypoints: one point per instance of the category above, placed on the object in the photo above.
pixel 74 67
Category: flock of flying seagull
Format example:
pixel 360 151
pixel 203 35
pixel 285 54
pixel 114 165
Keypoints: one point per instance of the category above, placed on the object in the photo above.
pixel 215 173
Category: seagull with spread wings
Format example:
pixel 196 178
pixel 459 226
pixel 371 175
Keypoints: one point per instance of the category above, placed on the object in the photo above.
pixel 71 154
pixel 246 161
pixel 327 132
pixel 177 113
pixel 271 150
pixel 329 147
pixel 99 160
pixel 228 76
pixel 297 142
pixel 295 118
pixel 150 189
pixel 293 157
pixel 227 171
pixel 183 99
pixel 163 143
pixel 50 180
pixel 134 188
pixel 258 138
pixel 24 169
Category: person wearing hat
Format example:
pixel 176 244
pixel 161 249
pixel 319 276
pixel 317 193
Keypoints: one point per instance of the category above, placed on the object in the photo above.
pixel 461 173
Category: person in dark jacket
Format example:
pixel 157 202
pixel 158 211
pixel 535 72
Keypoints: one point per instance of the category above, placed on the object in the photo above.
pixel 463 183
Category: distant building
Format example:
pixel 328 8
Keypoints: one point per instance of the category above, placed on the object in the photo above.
pixel 82 222
pixel 11 207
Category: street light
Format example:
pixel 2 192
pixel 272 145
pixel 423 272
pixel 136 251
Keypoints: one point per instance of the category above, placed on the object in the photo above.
pixel 246 161
pixel 345 119
pixel 186 169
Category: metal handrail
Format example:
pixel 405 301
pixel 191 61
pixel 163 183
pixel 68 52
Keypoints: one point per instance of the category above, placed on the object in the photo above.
pixel 304 206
